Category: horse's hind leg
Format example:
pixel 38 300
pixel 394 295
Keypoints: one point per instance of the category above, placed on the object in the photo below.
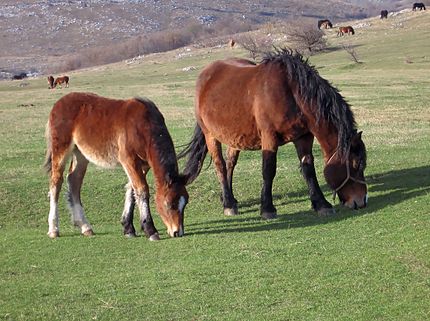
pixel 304 152
pixel 55 182
pixel 231 161
pixel 214 147
pixel 75 178
pixel 128 213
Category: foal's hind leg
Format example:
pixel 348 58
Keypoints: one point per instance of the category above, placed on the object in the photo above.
pixel 232 157
pixel 214 147
pixel 55 182
pixel 304 152
pixel 77 170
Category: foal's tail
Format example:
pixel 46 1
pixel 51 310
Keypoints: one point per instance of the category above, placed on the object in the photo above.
pixel 196 151
pixel 48 160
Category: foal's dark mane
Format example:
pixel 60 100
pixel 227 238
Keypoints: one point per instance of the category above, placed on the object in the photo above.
pixel 326 100
pixel 162 140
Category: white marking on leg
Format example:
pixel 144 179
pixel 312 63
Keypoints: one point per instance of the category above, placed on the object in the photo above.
pixel 79 219
pixel 128 203
pixel 53 214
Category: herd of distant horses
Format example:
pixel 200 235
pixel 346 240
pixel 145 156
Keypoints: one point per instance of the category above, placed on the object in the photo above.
pixel 348 30
pixel 238 103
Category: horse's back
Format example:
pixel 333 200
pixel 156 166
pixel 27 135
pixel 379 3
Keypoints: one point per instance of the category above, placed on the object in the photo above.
pixel 97 125
pixel 236 101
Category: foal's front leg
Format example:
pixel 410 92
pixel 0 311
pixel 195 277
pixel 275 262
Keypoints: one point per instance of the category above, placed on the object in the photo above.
pixel 304 152
pixel 128 213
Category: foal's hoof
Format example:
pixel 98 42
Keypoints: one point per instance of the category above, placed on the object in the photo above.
pixel 326 212
pixel 231 211
pixel 269 215
pixel 53 234
pixel 154 237
pixel 88 233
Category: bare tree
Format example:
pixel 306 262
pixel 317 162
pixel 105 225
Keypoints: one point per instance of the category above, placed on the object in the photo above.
pixel 305 37
pixel 352 53
pixel 255 45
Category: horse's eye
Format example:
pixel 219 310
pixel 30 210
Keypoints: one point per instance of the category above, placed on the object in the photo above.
pixel 355 164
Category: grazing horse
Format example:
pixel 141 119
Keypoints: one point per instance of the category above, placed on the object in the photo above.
pixel 345 30
pixel 231 43
pixel 418 5
pixel 51 82
pixel 324 24
pixel 61 80
pixel 384 14
pixel 262 106
pixel 107 132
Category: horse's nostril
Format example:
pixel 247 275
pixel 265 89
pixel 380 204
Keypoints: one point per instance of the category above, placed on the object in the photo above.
pixel 355 205
pixel 176 234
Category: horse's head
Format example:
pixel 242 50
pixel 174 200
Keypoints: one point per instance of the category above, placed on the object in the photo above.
pixel 171 199
pixel 346 178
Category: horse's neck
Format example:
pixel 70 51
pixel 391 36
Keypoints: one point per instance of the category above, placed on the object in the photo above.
pixel 162 167
pixel 328 140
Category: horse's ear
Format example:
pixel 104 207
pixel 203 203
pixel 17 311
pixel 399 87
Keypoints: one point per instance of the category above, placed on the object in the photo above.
pixel 169 179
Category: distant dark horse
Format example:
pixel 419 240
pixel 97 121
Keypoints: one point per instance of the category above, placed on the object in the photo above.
pixel 283 99
pixel 324 24
pixel 384 14
pixel 61 80
pixel 51 82
pixel 345 30
pixel 419 5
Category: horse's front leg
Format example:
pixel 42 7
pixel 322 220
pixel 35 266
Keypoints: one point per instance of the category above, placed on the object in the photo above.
pixel 229 203
pixel 304 152
pixel 136 173
pixel 268 210
pixel 128 213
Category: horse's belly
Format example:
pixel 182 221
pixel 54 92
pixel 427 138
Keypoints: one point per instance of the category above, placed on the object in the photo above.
pixel 104 155
pixel 238 139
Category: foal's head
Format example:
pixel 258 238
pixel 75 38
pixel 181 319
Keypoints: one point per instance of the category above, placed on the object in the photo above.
pixel 346 178
pixel 171 199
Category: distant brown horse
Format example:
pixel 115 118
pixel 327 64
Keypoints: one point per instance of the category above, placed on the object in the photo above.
pixel 107 132
pixel 324 24
pixel 262 106
pixel 61 80
pixel 51 82
pixel 345 30
pixel 231 43
pixel 384 14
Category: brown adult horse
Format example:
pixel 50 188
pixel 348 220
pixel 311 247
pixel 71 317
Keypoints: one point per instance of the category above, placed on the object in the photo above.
pixel 51 82
pixel 61 80
pixel 108 132
pixel 260 107
pixel 345 30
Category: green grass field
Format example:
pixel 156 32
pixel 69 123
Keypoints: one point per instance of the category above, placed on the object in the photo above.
pixel 372 264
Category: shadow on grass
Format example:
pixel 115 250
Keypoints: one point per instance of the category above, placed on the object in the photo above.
pixel 393 187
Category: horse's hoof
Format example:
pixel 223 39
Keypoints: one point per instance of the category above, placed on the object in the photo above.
pixel 53 234
pixel 130 235
pixel 231 211
pixel 269 215
pixel 88 233
pixel 154 237
pixel 326 212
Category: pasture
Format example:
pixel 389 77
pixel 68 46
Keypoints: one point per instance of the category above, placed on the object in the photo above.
pixel 372 264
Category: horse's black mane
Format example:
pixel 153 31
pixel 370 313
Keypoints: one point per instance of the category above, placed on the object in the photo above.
pixel 328 102
pixel 162 140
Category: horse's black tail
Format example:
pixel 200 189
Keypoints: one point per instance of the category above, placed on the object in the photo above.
pixel 196 151
pixel 48 160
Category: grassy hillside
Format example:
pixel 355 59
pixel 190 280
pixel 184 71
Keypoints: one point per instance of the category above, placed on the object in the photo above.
pixel 368 265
